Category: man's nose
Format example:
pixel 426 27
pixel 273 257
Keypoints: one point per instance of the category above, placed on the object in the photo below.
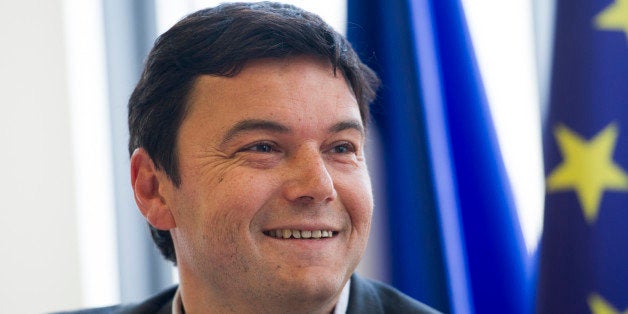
pixel 308 179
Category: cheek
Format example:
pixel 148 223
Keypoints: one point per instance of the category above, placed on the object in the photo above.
pixel 221 208
pixel 356 194
pixel 216 227
pixel 233 203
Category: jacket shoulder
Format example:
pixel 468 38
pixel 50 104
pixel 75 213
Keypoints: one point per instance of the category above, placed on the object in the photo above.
pixel 159 303
pixel 369 296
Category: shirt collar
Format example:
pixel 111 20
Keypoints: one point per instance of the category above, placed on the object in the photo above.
pixel 343 301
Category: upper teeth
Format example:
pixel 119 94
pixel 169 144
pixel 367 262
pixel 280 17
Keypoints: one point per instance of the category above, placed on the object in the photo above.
pixel 300 234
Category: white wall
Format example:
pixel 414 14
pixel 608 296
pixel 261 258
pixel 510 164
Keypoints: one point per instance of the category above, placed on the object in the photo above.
pixel 39 259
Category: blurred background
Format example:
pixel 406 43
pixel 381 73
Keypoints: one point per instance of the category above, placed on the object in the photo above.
pixel 72 234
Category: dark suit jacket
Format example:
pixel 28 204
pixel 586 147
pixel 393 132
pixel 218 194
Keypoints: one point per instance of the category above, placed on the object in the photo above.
pixel 365 296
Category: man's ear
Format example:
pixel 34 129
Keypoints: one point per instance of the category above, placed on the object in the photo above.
pixel 145 180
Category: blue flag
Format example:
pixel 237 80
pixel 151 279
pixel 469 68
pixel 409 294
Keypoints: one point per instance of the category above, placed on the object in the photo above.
pixel 455 238
pixel 584 248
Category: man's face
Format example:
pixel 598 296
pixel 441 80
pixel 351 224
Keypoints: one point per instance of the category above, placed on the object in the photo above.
pixel 274 153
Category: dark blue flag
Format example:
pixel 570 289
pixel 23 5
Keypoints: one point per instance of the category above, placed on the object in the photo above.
pixel 455 238
pixel 584 248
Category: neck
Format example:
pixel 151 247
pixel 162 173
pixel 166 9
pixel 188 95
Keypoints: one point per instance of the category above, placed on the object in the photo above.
pixel 199 297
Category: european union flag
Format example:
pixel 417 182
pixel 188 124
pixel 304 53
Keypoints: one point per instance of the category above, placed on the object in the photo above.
pixel 584 248
pixel 455 239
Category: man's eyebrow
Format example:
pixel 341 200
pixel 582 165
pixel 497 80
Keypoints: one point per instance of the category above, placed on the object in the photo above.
pixel 254 125
pixel 347 125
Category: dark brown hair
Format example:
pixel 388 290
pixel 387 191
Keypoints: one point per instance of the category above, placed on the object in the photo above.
pixel 220 41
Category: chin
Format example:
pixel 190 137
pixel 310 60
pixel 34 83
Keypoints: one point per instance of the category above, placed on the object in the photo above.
pixel 315 284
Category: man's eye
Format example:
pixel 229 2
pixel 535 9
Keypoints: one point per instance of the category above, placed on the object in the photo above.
pixel 343 148
pixel 261 148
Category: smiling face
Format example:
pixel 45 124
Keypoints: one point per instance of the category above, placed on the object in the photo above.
pixel 274 206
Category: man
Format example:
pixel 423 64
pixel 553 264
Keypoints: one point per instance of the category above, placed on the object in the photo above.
pixel 247 140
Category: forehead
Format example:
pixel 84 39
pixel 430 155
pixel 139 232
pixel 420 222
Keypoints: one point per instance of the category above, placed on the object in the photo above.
pixel 300 88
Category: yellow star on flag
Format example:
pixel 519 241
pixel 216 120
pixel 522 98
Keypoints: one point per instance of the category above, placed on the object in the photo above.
pixel 614 17
pixel 600 306
pixel 587 168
